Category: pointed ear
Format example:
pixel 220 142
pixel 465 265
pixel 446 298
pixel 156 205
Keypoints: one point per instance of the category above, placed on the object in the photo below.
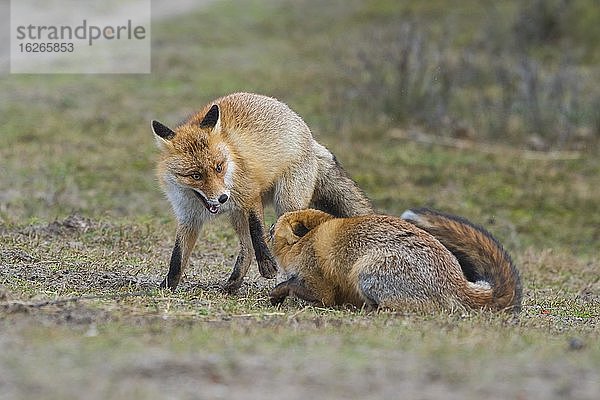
pixel 294 225
pixel 211 119
pixel 291 232
pixel 310 218
pixel 307 220
pixel 299 229
pixel 162 131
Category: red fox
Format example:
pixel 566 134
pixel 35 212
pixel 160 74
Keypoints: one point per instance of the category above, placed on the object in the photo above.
pixel 239 152
pixel 427 258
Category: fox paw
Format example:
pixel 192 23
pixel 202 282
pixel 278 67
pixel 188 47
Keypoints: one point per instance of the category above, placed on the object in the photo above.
pixel 279 293
pixel 232 286
pixel 267 268
pixel 168 285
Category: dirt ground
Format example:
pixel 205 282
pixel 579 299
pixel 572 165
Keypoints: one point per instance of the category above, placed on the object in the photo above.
pixel 97 327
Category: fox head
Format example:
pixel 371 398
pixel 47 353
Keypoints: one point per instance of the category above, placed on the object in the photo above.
pixel 194 158
pixel 289 230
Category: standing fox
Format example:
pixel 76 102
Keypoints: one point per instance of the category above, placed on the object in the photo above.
pixel 426 258
pixel 237 153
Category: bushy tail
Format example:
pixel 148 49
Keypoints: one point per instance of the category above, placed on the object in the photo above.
pixel 335 192
pixel 481 256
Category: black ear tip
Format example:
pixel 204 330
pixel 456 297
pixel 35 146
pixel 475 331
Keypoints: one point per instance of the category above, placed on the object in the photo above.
pixel 211 118
pixel 162 130
pixel 214 109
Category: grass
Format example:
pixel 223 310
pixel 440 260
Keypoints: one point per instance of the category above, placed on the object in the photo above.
pixel 85 233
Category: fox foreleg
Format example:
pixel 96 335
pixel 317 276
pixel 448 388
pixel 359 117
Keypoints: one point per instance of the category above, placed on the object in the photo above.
pixel 239 221
pixel 244 257
pixel 185 240
pixel 267 266
pixel 249 228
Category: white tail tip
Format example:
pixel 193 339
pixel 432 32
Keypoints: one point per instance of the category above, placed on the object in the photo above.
pixel 410 215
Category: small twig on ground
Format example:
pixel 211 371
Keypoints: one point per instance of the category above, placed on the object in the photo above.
pixel 300 311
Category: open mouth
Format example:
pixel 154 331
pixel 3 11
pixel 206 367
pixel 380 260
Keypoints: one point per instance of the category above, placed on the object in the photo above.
pixel 212 208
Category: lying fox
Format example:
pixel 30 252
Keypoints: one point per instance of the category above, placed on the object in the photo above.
pixel 235 154
pixel 426 258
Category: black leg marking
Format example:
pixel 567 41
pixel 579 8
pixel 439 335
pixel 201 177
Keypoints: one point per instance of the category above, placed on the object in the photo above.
pixel 237 270
pixel 266 263
pixel 236 278
pixel 172 279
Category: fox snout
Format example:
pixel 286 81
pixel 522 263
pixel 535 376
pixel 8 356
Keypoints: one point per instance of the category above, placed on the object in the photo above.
pixel 212 205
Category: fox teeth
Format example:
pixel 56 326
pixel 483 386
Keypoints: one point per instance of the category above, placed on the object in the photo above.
pixel 213 209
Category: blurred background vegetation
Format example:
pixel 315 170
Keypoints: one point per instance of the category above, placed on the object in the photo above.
pixel 517 72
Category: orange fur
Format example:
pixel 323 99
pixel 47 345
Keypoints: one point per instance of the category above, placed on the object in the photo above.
pixel 235 154
pixel 379 260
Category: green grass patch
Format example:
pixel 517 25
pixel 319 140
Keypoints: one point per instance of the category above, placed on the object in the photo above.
pixel 85 234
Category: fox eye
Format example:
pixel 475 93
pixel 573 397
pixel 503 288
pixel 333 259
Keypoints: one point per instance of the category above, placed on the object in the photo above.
pixel 219 168
pixel 196 177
